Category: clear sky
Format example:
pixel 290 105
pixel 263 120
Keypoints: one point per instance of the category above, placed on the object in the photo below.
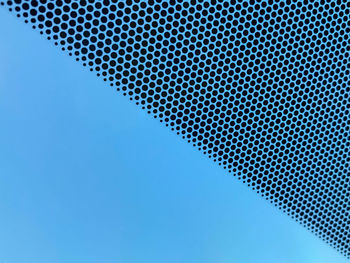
pixel 87 176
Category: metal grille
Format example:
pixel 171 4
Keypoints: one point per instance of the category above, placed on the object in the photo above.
pixel 261 87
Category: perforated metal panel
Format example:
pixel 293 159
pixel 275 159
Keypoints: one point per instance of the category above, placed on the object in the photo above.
pixel 261 87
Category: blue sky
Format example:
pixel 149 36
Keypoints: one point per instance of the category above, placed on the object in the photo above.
pixel 87 176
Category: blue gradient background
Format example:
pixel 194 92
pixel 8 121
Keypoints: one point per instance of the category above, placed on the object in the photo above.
pixel 87 176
